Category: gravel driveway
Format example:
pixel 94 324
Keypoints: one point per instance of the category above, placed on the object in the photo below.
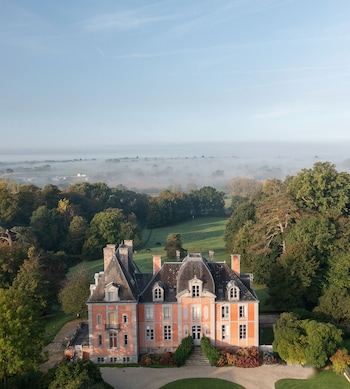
pixel 263 377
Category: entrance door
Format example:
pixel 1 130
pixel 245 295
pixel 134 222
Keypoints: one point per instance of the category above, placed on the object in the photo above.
pixel 196 335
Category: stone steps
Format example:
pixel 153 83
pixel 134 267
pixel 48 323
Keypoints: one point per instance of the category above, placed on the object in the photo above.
pixel 197 358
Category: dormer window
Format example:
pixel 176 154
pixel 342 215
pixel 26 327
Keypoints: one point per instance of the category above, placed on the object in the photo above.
pixel 112 292
pixel 232 291
pixel 158 292
pixel 195 286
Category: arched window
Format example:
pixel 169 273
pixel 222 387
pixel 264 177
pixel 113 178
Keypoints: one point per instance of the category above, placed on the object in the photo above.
pixel 232 291
pixel 125 318
pixel 158 292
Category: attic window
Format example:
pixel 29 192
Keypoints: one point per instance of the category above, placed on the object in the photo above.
pixel 158 293
pixel 195 286
pixel 112 292
pixel 232 291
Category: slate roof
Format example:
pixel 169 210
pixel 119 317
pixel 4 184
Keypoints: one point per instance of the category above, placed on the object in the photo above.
pixel 174 277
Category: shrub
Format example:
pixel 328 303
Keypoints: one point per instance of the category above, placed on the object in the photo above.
pixel 184 350
pixel 340 360
pixel 210 351
pixel 157 359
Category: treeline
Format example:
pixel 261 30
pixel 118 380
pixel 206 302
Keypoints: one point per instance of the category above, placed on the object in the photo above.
pixel 294 235
pixel 84 217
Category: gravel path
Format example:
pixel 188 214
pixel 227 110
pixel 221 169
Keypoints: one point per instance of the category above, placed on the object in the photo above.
pixel 263 377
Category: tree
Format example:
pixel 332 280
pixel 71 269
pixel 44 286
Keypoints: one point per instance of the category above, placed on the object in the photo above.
pixel 244 187
pixel 334 305
pixel 77 231
pixel 207 201
pixel 11 258
pixel 293 282
pixel 75 291
pixel 322 188
pixel 81 374
pixel 31 280
pixel 173 243
pixel 21 332
pixel 305 341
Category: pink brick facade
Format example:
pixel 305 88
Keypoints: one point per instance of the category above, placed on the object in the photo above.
pixel 131 313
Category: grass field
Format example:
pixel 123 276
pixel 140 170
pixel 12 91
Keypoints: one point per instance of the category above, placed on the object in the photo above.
pixel 324 380
pixel 202 383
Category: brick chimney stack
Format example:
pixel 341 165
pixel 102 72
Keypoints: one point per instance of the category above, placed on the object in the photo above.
pixel 124 257
pixel 236 263
pixel 157 263
pixel 108 254
pixel 129 244
pixel 211 255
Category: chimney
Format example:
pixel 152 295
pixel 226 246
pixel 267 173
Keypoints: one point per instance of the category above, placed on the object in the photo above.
pixel 157 263
pixel 236 263
pixel 108 253
pixel 124 257
pixel 178 255
pixel 129 244
pixel 211 255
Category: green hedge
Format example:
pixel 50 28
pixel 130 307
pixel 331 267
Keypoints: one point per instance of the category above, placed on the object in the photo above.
pixel 184 350
pixel 209 351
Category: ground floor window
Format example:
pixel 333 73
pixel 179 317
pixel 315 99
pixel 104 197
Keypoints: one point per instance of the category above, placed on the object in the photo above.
pixel 112 339
pixel 167 332
pixel 126 359
pixel 113 359
pixel 242 331
pixel 149 333
pixel 100 359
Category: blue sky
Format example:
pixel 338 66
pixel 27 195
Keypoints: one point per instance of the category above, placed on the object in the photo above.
pixel 96 72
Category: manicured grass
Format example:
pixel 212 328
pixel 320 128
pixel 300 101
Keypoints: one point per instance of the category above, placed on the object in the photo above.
pixel 202 383
pixel 324 380
pixel 53 324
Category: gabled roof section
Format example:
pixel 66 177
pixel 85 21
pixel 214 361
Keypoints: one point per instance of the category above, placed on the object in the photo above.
pixel 115 273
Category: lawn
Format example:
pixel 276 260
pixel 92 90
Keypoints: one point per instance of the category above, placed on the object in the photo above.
pixel 324 380
pixel 54 323
pixel 202 383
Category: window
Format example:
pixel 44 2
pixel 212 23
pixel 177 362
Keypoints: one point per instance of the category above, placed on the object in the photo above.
pixel 149 313
pixel 167 332
pixel 234 293
pixel 112 339
pixel 126 359
pixel 99 319
pixel 100 359
pixel 225 312
pixel 125 319
pixel 195 290
pixel 125 340
pixel 196 313
pixel 99 341
pixel 149 333
pixel 158 293
pixel 224 332
pixel 242 331
pixel 242 311
pixel 113 359
pixel 112 317
pixel 166 313
pixel 112 292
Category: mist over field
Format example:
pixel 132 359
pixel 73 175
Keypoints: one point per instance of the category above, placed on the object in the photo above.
pixel 177 167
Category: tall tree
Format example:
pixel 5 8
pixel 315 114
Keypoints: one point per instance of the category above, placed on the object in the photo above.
pixel 173 243
pixel 21 332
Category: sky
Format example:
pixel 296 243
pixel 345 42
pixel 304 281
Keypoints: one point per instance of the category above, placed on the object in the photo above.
pixel 92 73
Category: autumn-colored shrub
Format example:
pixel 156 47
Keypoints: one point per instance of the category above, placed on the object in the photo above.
pixel 157 359
pixel 340 360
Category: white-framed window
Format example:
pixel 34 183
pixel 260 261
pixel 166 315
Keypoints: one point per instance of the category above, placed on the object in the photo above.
pixel 99 340
pixel 167 332
pixel 158 293
pixel 149 333
pixel 242 331
pixel 112 339
pixel 225 312
pixel 224 332
pixel 125 340
pixel 196 312
pixel 99 319
pixel 113 359
pixel 232 291
pixel 149 312
pixel 112 317
pixel 166 313
pixel 100 359
pixel 242 311
pixel 195 287
pixel 126 359
pixel 125 318
pixel 195 290
pixel 112 292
